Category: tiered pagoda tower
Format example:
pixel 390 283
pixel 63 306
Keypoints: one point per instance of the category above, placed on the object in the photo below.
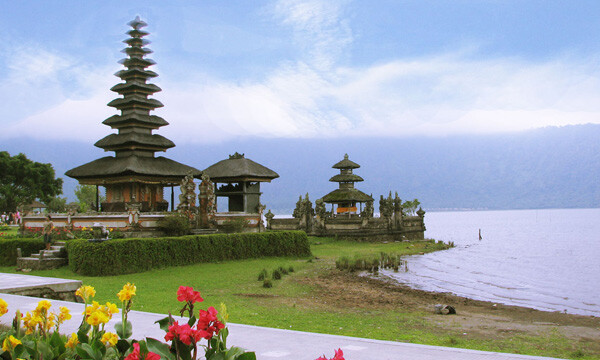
pixel 347 196
pixel 134 174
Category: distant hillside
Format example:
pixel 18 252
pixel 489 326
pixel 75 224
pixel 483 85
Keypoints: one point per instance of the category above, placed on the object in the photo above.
pixel 544 168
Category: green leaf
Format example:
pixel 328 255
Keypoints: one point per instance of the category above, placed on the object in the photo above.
pixel 123 346
pixel 247 356
pixel 217 356
pixel 45 350
pixel 160 348
pixel 164 323
pixel 192 321
pixel 233 353
pixel 124 332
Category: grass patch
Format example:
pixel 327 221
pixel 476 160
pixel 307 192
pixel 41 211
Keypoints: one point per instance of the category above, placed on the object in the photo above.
pixel 295 302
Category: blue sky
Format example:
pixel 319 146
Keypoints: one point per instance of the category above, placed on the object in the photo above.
pixel 307 69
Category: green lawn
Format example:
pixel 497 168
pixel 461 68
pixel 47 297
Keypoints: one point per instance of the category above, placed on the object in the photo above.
pixel 288 304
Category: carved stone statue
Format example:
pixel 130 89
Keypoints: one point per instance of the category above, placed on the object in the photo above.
pixel 187 198
pixel 269 217
pixel 260 208
pixel 321 212
pixel 298 210
pixel 133 214
pixel 207 200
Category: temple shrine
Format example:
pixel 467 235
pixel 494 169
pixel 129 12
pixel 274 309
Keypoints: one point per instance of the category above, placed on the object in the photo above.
pixel 134 175
pixel 346 196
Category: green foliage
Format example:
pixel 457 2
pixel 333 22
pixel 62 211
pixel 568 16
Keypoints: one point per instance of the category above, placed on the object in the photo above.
pixel 234 225
pixel 291 269
pixel 267 283
pixel 174 225
pixel 8 249
pixel 57 205
pixel 276 275
pixel 410 207
pixel 86 195
pixel 125 256
pixel 23 180
pixel 263 275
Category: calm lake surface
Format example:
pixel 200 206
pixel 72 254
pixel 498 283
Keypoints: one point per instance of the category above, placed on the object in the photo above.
pixel 543 259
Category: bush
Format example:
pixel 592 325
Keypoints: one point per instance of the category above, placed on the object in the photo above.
pixel 262 275
pixel 8 249
pixel 267 283
pixel 276 274
pixel 291 269
pixel 174 225
pixel 126 256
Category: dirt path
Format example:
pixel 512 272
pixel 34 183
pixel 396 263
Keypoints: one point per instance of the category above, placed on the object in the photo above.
pixel 480 319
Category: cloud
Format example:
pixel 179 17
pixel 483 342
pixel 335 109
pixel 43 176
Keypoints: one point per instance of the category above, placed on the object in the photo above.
pixel 60 97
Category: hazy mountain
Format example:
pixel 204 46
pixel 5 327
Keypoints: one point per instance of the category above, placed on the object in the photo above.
pixel 544 168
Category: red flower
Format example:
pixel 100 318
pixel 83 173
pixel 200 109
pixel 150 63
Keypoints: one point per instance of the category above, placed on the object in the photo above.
pixel 135 354
pixel 187 293
pixel 208 324
pixel 339 355
pixel 184 333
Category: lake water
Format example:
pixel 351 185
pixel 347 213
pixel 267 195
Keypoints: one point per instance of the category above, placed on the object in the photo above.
pixel 543 259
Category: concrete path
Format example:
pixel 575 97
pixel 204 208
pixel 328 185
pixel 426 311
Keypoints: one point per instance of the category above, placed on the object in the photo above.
pixel 272 344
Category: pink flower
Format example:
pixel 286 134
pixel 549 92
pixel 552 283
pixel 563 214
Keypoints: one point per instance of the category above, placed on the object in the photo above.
pixel 187 293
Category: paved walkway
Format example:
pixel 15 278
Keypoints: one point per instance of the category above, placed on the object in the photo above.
pixel 270 343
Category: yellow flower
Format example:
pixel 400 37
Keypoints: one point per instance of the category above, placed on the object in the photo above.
pixel 97 318
pixel 10 343
pixel 93 307
pixel 127 292
pixel 109 339
pixel 223 314
pixel 50 321
pixel 110 309
pixel 43 306
pixel 31 321
pixel 85 292
pixel 73 341
pixel 64 314
pixel 3 307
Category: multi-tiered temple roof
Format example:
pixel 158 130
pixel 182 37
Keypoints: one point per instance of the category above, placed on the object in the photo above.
pixel 347 195
pixel 134 143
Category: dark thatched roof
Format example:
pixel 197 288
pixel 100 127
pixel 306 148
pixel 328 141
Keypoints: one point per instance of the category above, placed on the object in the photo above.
pixel 238 168
pixel 346 195
pixel 119 141
pixel 346 164
pixel 346 178
pixel 132 165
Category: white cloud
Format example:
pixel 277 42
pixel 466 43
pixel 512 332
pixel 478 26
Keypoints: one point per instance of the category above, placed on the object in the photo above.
pixel 54 96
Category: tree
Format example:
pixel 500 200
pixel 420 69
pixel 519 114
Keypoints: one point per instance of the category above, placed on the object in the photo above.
pixel 57 205
pixel 22 181
pixel 86 194
pixel 410 207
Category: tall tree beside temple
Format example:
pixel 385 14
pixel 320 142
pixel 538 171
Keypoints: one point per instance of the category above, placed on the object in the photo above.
pixel 23 180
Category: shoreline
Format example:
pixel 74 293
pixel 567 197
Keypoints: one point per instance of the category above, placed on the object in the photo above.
pixel 476 319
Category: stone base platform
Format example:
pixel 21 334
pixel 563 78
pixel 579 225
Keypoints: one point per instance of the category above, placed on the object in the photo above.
pixel 38 286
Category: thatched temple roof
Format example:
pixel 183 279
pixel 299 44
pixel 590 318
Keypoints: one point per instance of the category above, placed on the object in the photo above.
pixel 239 168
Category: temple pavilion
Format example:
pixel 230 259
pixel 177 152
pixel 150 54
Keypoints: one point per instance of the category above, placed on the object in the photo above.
pixel 134 174
pixel 238 180
pixel 344 199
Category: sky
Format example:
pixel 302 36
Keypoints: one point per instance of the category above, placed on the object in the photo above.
pixel 304 69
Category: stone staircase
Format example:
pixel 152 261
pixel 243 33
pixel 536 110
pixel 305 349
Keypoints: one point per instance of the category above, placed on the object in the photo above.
pixel 45 259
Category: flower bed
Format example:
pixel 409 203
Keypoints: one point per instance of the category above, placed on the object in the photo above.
pixel 36 335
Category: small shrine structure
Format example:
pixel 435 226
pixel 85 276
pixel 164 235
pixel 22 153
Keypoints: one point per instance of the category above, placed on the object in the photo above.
pixel 237 181
pixel 134 176
pixel 346 196
pixel 345 219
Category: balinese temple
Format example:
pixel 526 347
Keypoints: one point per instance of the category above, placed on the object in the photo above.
pixel 134 174
pixel 238 179
pixel 346 197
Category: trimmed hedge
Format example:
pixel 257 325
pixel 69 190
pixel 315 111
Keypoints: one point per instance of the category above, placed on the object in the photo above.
pixel 126 256
pixel 8 249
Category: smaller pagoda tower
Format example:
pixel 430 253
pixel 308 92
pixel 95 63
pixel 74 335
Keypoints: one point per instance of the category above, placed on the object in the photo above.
pixel 346 197
pixel 134 174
